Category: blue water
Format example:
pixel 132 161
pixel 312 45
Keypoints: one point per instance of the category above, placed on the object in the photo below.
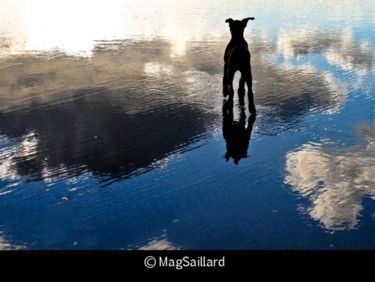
pixel 112 134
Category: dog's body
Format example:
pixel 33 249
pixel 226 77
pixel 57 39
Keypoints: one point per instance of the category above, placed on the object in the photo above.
pixel 237 58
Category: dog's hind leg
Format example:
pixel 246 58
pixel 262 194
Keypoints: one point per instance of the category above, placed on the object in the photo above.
pixel 250 94
pixel 241 91
pixel 252 108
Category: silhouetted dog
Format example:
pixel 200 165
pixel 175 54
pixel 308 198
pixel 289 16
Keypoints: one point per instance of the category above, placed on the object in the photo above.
pixel 237 58
pixel 236 133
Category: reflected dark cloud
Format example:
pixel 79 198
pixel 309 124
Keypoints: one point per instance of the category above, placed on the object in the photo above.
pixel 286 94
pixel 91 133
pixel 113 115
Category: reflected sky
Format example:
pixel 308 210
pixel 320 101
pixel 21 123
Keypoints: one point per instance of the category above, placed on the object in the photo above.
pixel 122 94
pixel 146 103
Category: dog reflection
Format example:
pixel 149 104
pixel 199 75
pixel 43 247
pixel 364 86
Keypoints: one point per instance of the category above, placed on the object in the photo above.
pixel 236 133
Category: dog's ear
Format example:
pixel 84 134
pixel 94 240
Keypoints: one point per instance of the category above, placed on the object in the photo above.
pixel 245 20
pixel 230 20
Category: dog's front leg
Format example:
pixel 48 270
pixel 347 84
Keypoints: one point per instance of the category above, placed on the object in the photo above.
pixel 230 82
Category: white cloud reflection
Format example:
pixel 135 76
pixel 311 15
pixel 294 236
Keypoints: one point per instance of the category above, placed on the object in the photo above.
pixel 6 245
pixel 351 56
pixel 159 244
pixel 302 42
pixel 25 149
pixel 334 182
pixel 339 47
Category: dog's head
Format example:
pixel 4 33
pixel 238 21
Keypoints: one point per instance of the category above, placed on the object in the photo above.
pixel 237 27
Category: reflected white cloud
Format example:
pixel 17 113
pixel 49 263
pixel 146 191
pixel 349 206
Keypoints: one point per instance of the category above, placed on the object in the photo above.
pixel 339 48
pixel 350 56
pixel 6 165
pixel 303 42
pixel 6 245
pixel 338 92
pixel 25 149
pixel 333 182
pixel 159 244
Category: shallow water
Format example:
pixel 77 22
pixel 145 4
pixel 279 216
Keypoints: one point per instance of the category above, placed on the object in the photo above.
pixel 112 134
